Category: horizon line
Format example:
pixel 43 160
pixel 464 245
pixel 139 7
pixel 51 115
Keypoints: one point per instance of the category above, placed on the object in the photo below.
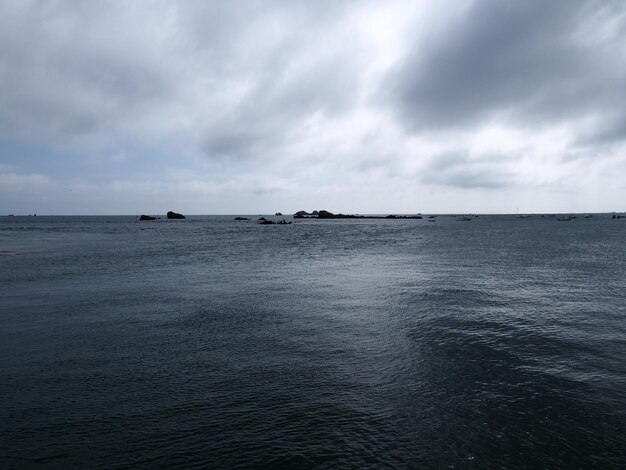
pixel 273 214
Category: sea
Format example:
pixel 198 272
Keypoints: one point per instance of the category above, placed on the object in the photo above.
pixel 209 342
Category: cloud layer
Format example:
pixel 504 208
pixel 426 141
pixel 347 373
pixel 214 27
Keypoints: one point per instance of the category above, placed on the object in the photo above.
pixel 251 106
pixel 526 63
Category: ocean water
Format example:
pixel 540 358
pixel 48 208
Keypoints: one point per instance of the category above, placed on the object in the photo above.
pixel 209 342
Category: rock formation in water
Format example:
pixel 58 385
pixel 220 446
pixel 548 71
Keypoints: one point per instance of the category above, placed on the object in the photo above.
pixel 264 221
pixel 324 214
pixel 174 215
pixel 146 217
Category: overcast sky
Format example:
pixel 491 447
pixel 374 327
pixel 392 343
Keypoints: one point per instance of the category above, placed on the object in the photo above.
pixel 245 107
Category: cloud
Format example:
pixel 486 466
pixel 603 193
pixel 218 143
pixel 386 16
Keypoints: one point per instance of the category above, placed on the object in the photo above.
pixel 19 182
pixel 77 73
pixel 461 171
pixel 527 63
pixel 228 78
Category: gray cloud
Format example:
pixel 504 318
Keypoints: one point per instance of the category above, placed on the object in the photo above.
pixel 230 78
pixel 71 73
pixel 525 62
pixel 279 101
pixel 458 170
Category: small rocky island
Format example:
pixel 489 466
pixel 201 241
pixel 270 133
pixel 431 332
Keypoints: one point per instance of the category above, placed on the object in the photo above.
pixel 323 214
pixel 264 221
pixel 174 215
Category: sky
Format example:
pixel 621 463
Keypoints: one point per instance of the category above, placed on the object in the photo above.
pixel 246 107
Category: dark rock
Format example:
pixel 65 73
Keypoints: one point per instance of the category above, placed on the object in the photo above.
pixel 174 215
pixel 264 221
pixel 241 218
pixel 278 213
pixel 325 215
pixel 146 217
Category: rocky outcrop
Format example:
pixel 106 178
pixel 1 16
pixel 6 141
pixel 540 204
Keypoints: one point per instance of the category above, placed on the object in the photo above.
pixel 324 214
pixel 241 218
pixel 264 221
pixel 146 217
pixel 174 215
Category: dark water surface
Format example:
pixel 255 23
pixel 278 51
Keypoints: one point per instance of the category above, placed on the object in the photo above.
pixel 495 343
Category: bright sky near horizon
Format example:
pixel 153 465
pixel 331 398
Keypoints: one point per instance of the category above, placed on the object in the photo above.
pixel 245 107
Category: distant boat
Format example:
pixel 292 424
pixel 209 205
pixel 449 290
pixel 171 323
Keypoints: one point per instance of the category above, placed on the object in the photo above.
pixel 463 218
pixel 566 218
pixel 588 216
